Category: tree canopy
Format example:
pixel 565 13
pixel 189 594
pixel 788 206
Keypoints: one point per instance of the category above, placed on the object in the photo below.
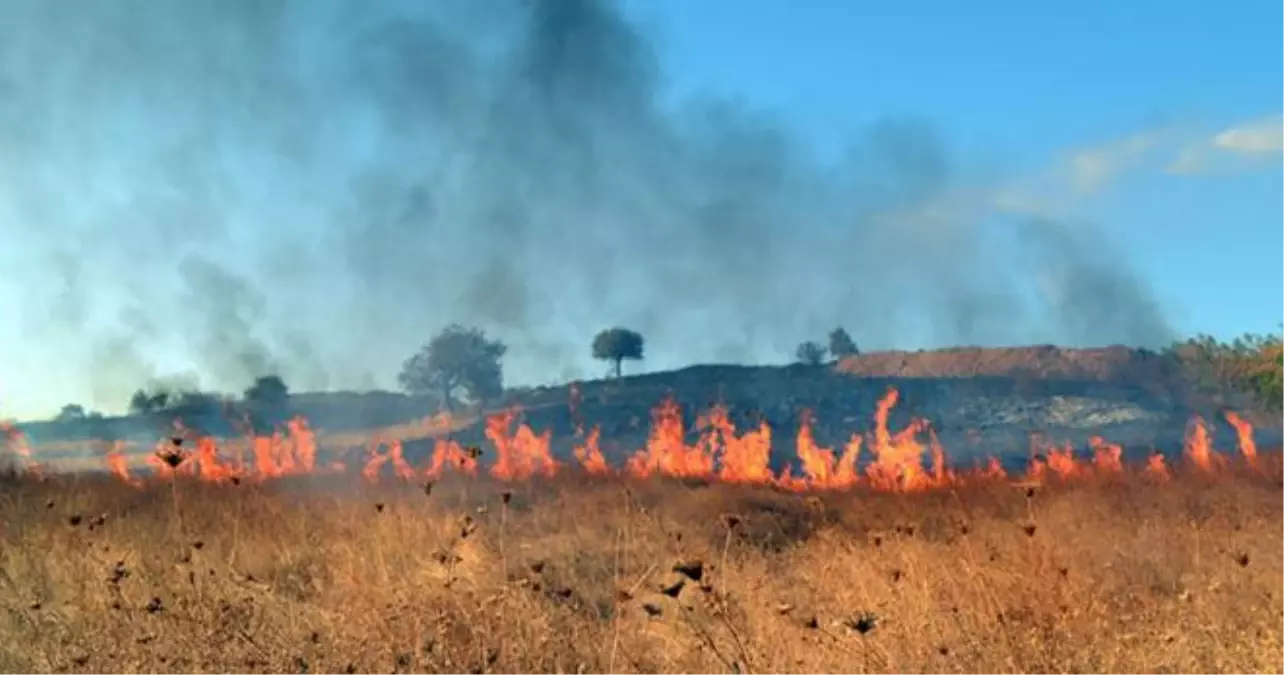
pixel 616 344
pixel 1251 363
pixel 268 390
pixel 841 345
pixel 811 353
pixel 457 362
pixel 71 412
pixel 267 401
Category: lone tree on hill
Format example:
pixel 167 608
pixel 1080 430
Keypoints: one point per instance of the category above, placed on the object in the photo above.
pixel 810 353
pixel 457 360
pixel 617 344
pixel 841 345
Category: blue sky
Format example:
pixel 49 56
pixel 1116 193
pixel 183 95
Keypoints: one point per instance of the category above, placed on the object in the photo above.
pixel 1032 86
pixel 181 189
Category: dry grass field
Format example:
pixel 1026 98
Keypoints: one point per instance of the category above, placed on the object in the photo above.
pixel 585 574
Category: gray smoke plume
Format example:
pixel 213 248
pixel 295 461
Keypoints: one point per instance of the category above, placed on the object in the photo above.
pixel 314 187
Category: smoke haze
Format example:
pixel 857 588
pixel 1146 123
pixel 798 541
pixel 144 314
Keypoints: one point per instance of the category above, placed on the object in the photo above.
pixel 216 189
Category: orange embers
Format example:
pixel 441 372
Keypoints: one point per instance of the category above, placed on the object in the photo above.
pixel 906 459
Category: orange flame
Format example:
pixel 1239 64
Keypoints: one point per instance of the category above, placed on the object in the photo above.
pixel 821 469
pixel 590 455
pixel 899 459
pixel 15 442
pixel 519 455
pixel 1244 432
pixel 1199 445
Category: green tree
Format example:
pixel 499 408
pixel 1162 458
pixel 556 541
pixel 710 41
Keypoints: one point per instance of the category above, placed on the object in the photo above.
pixel 841 345
pixel 616 344
pixel 1251 363
pixel 457 361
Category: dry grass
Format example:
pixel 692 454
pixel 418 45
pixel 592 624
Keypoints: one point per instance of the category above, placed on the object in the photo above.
pixel 572 575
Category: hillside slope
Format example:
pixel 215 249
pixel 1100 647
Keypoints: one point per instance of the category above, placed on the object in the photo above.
pixel 1117 364
pixel 973 416
pixel 979 401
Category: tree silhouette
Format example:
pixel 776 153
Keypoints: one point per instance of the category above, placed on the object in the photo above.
pixel 268 390
pixel 841 345
pixel 810 353
pixel 71 412
pixel 267 401
pixel 199 410
pixel 457 360
pixel 616 344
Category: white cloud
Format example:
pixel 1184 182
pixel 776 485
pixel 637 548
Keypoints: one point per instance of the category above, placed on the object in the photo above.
pixel 1254 140
pixel 1091 169
pixel 1083 173
pixel 1189 160
pixel 1079 174
pixel 1259 136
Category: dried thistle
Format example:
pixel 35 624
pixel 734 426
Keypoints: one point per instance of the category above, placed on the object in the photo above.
pixel 863 623
pixel 674 590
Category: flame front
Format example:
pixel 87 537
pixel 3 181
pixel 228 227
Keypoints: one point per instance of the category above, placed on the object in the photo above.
pixel 907 459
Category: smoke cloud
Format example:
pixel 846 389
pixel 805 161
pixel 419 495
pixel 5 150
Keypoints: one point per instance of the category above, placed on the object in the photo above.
pixel 222 188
